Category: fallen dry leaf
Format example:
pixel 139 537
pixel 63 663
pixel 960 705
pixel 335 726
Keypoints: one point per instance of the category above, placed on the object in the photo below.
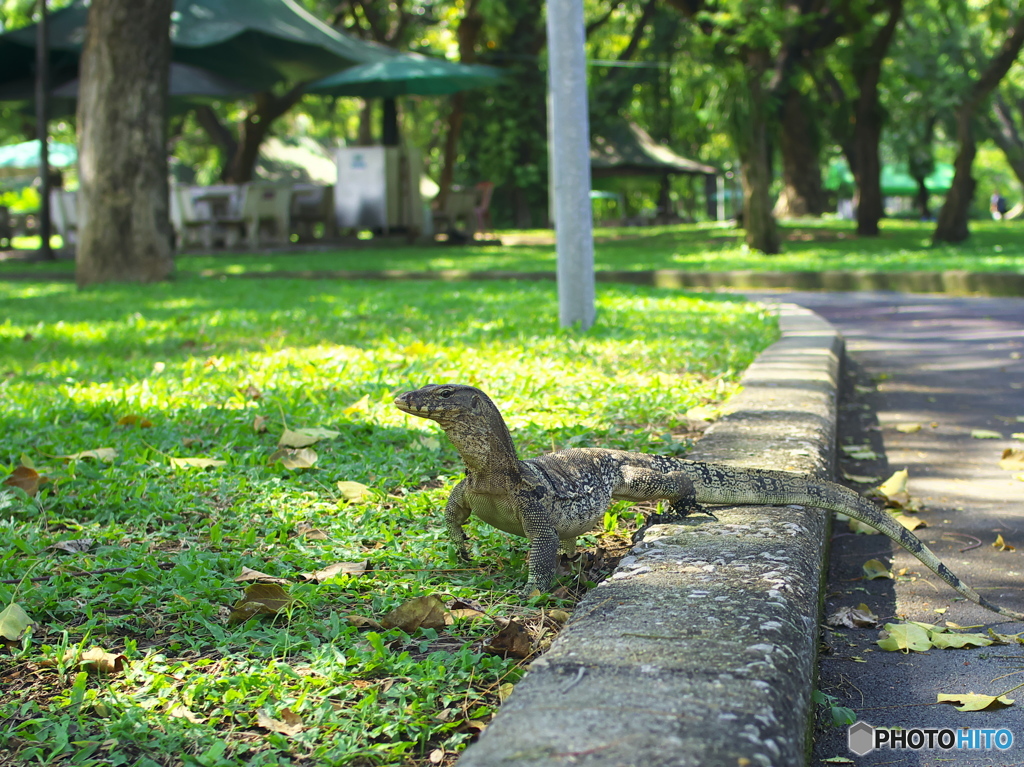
pixel 1013 459
pixel 311 533
pixel 259 599
pixel 248 574
pixel 362 622
pixel 873 569
pixel 105 454
pixel 859 617
pixel 196 463
pixel 134 420
pixel 973 701
pixel 96 660
pixel 14 622
pixel 908 428
pixel 513 641
pixel 179 711
pixel 420 612
pixel 352 569
pixel 304 458
pixel 259 424
pixel 304 437
pixel 354 492
pixel 289 724
pixel 25 478
pixel 985 434
pixel 1002 545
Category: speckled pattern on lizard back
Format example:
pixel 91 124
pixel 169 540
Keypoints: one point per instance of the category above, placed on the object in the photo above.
pixel 553 498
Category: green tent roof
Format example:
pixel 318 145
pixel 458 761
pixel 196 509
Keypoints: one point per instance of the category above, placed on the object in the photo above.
pixel 626 149
pixel 409 73
pixel 896 180
pixel 253 42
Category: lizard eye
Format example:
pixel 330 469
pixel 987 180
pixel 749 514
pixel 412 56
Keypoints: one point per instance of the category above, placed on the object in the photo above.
pixel 445 393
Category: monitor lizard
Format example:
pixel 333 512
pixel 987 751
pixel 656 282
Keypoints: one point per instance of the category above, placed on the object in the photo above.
pixel 553 498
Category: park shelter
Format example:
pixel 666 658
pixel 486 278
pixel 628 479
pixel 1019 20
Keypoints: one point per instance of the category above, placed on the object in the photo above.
pixel 623 148
pixel 407 74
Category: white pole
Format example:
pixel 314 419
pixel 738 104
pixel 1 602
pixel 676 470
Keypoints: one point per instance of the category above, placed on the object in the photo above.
pixel 569 148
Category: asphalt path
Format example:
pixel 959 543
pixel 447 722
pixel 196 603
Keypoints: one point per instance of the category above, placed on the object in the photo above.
pixel 951 366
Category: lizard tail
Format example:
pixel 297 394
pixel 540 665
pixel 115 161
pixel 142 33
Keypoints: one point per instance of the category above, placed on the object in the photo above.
pixel 723 485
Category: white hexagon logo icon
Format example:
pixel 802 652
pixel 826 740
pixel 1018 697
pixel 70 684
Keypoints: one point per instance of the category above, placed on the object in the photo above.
pixel 860 738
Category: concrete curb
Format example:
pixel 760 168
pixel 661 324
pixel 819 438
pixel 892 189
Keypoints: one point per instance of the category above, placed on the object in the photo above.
pixel 954 283
pixel 701 648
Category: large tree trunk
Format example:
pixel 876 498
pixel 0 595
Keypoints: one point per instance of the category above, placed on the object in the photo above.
pixel 952 223
pixel 869 119
pixel 802 191
pixel 124 229
pixel 753 143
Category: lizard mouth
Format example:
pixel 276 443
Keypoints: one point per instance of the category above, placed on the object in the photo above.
pixel 404 405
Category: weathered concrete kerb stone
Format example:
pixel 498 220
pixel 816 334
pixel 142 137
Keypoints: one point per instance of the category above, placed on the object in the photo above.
pixel 700 648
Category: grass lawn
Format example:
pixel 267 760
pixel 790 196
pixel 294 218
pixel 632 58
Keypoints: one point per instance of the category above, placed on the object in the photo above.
pixel 994 246
pixel 128 548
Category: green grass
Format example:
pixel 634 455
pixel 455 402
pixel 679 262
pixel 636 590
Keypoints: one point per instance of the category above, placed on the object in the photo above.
pixel 200 360
pixel 994 246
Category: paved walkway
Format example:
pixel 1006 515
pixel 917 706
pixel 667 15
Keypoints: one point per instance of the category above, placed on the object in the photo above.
pixel 952 365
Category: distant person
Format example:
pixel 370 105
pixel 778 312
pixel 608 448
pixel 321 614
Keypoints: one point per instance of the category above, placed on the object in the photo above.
pixel 997 206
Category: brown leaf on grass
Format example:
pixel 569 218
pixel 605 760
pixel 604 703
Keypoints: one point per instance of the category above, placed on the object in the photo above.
pixel 248 574
pixel 196 463
pixel 1002 545
pixel 259 424
pixel 420 612
pixel 354 492
pixel 289 724
pixel 362 622
pixel 259 599
pixel 134 420
pixel 467 608
pixel 74 545
pixel 973 701
pixel 352 569
pixel 311 533
pixel 96 660
pixel 180 711
pixel 1013 459
pixel 105 454
pixel 251 392
pixel 25 478
pixel 513 641
pixel 14 623
pixel 304 437
pixel 305 458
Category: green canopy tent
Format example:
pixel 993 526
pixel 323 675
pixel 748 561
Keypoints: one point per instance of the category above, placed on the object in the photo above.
pixel 896 181
pixel 406 74
pixel 253 43
pixel 401 75
pixel 22 159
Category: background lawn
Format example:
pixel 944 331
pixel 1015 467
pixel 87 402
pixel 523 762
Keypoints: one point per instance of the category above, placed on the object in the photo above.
pixel 994 246
pixel 215 369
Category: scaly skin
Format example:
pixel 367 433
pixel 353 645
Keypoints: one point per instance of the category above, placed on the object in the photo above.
pixel 556 497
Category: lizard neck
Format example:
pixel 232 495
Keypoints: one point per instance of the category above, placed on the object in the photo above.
pixel 483 442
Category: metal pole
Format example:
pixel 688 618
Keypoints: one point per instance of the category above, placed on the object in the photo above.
pixel 43 130
pixel 569 148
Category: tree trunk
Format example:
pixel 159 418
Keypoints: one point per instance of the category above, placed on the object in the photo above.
pixel 952 223
pixel 1002 129
pixel 753 143
pixel 802 192
pixel 124 229
pixel 869 119
pixel 469 32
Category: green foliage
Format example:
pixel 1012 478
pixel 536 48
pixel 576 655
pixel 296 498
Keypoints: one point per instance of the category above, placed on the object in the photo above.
pixel 196 368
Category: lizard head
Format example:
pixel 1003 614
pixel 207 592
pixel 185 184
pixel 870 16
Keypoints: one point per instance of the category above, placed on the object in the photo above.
pixel 445 403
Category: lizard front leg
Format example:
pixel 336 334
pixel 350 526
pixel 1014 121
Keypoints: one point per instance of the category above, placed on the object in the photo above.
pixel 533 506
pixel 456 512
